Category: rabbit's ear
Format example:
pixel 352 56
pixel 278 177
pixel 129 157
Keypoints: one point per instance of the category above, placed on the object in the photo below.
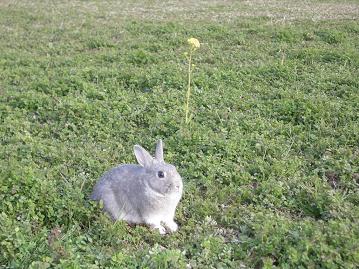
pixel 159 151
pixel 142 156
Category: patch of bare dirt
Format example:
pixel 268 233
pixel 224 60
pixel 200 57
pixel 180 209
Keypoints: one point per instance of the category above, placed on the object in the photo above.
pixel 214 10
pixel 332 179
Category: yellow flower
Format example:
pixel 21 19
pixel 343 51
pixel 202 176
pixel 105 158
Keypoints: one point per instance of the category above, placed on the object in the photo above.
pixel 194 43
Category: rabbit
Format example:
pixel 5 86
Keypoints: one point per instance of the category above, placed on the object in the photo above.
pixel 147 193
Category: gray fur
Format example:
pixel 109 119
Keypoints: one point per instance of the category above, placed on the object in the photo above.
pixel 136 194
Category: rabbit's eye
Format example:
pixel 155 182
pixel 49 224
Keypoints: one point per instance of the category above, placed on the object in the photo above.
pixel 161 174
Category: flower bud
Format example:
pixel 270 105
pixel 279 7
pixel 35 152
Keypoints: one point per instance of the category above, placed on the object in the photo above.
pixel 194 43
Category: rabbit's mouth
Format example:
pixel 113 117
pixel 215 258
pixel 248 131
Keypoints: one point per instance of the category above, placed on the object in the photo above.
pixel 178 188
pixel 173 189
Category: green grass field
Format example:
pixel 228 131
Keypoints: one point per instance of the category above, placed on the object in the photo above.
pixel 270 160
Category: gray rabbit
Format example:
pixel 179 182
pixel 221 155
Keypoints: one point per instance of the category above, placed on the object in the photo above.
pixel 147 193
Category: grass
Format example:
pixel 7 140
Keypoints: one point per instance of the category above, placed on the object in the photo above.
pixel 270 160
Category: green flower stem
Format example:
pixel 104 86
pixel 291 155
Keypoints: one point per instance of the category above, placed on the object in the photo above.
pixel 189 85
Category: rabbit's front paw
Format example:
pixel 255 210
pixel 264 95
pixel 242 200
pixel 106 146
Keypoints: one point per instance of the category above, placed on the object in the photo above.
pixel 161 229
pixel 171 225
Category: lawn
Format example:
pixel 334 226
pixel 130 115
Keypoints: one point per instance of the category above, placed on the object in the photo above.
pixel 270 159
